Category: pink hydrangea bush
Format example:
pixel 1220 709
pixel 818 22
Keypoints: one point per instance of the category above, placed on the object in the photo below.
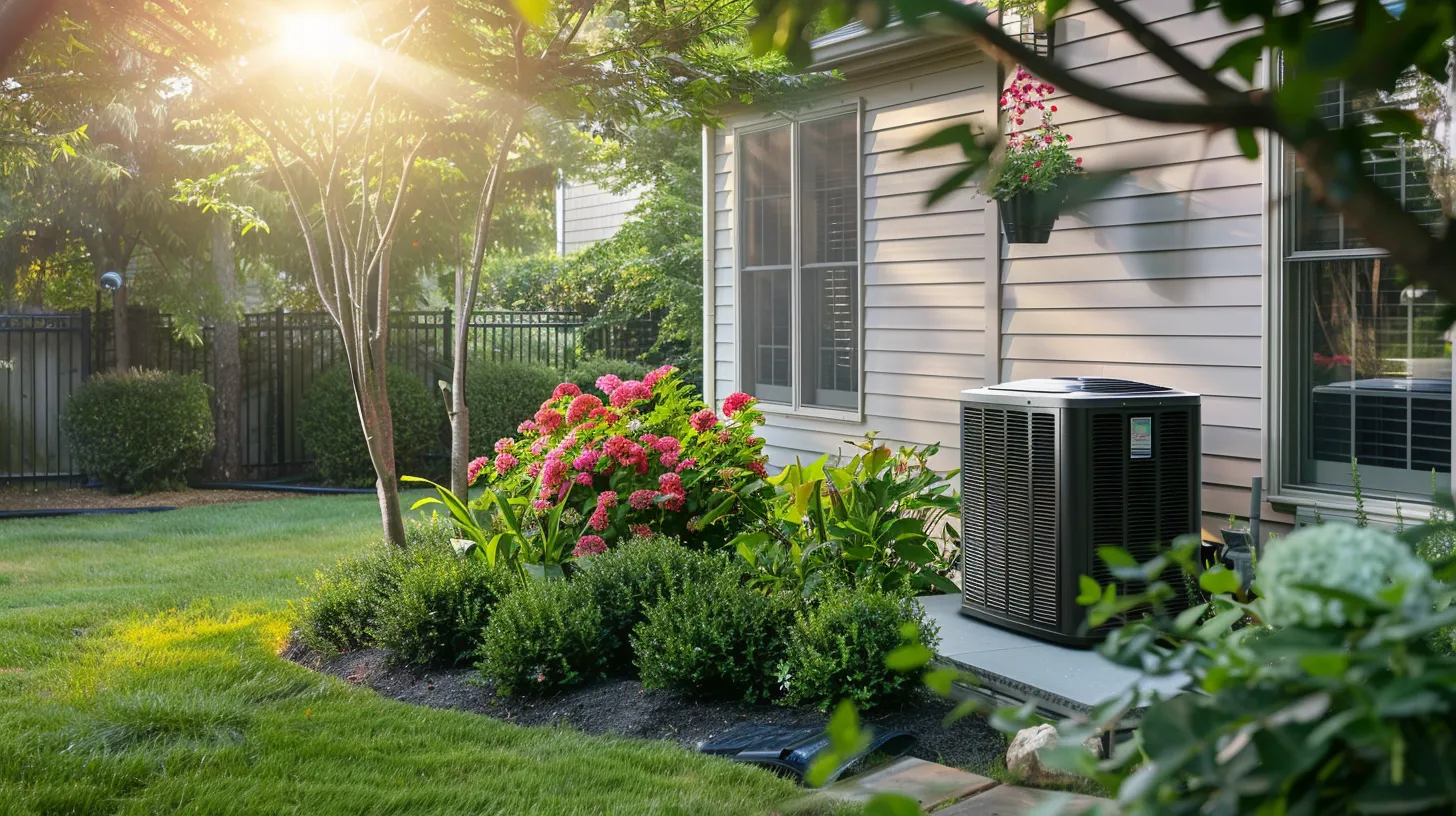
pixel 642 456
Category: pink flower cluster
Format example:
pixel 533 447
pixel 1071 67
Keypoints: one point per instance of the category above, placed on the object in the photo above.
pixel 589 545
pixel 1035 156
pixel 736 402
pixel 476 466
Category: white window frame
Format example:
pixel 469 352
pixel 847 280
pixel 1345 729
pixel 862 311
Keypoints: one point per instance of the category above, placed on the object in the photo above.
pixel 797 406
pixel 1281 453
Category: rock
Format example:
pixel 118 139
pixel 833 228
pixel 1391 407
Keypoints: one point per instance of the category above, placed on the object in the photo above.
pixel 1022 758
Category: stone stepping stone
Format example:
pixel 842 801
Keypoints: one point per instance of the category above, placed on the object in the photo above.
pixel 1011 800
pixel 929 783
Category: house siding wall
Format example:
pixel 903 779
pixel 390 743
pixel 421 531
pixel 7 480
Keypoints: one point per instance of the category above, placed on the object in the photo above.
pixel 589 214
pixel 1160 279
pixel 924 269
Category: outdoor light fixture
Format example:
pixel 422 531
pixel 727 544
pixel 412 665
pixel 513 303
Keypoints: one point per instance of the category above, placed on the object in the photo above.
pixel 111 281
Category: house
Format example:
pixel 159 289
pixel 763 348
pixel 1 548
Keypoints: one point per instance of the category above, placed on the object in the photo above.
pixel 586 213
pixel 845 304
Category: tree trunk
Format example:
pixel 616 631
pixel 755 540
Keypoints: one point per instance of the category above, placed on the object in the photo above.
pixel 228 377
pixel 465 294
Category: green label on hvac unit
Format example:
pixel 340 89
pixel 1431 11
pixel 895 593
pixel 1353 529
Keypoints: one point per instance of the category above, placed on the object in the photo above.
pixel 1142 437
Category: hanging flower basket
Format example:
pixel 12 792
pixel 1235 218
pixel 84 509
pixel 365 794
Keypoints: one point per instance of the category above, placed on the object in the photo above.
pixel 1038 168
pixel 1028 216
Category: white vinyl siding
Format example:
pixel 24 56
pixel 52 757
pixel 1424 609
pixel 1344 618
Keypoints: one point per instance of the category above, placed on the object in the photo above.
pixel 588 213
pixel 1161 278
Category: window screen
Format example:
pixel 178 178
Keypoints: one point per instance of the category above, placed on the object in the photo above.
pixel 766 227
pixel 829 253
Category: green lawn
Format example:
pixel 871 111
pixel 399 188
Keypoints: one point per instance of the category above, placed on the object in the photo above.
pixel 139 674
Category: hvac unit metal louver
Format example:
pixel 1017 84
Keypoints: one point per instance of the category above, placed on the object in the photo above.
pixel 1402 423
pixel 1053 469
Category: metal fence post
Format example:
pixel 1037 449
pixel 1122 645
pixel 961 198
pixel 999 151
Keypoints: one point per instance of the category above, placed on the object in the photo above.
pixel 278 382
pixel 85 345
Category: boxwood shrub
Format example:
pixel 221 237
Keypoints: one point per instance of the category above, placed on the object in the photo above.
pixel 439 607
pixel 714 639
pixel 837 648
pixel 545 636
pixel 140 430
pixel 343 602
pixel 328 423
pixel 628 579
pixel 501 395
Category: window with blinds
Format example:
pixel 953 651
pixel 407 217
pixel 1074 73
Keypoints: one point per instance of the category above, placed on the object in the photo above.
pixel 799 211
pixel 1370 357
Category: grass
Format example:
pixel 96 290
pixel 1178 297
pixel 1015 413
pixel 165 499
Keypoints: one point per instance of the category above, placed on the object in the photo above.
pixel 139 674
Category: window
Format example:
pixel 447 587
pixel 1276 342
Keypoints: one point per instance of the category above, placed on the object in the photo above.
pixel 799 260
pixel 1368 357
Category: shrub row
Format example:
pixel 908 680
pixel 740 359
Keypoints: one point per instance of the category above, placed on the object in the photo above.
pixel 140 430
pixel 679 619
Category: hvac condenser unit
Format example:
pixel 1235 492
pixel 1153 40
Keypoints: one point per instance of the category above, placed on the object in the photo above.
pixel 1053 469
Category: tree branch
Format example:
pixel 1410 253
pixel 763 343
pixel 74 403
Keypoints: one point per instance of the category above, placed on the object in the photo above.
pixel 1145 36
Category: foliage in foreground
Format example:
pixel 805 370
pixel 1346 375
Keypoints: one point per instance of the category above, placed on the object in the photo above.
pixel 873 520
pixel 139 430
pixel 328 424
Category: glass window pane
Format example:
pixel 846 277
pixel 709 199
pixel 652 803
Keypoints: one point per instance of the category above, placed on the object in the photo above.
pixel 1374 383
pixel 829 251
pixel 767 334
pixel 767 228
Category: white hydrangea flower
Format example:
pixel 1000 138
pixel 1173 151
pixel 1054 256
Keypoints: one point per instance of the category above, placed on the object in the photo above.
pixel 1339 556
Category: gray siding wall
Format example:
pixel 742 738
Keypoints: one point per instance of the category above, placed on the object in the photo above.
pixel 589 214
pixel 1161 278
pixel 924 270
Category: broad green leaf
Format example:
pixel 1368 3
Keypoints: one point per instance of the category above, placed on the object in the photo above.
pixel 534 11
pixel 1090 591
pixel 892 804
pixel 1325 664
pixel 1242 57
pixel 908 657
pixel 1219 580
pixel 1248 142
pixel 941 681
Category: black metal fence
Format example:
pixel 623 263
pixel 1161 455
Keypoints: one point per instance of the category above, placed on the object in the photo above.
pixel 43 357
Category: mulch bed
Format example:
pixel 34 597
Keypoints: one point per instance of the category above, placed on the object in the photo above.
pixel 95 498
pixel 624 708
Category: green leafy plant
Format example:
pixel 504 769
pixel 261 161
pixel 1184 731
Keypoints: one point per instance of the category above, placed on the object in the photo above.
pixel 502 394
pixel 328 423
pixel 544 636
pixel 838 647
pixel 140 430
pixel 628 579
pixel 714 638
pixel 871 520
pixel 438 607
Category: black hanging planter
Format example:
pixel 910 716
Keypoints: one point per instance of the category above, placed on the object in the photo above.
pixel 1028 216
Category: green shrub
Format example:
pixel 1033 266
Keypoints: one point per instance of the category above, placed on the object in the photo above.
pixel 714 638
pixel 339 613
pixel 586 372
pixel 328 423
pixel 837 648
pixel 439 608
pixel 544 636
pixel 343 605
pixel 501 395
pixel 139 430
pixel 626 580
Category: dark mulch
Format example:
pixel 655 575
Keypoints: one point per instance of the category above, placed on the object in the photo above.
pixel 624 708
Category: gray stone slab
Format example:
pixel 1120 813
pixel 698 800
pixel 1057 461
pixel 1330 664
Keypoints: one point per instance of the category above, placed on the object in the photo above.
pixel 1062 679
pixel 1011 800
pixel 929 783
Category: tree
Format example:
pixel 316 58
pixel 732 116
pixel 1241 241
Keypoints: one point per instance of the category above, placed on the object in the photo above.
pixel 1383 47
pixel 598 64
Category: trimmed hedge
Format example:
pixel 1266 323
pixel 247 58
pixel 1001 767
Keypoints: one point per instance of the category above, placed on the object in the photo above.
pixel 500 396
pixel 837 649
pixel 328 423
pixel 627 580
pixel 439 608
pixel 546 635
pixel 140 430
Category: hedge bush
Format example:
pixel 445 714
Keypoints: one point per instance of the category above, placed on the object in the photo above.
pixel 501 395
pixel 588 371
pixel 626 580
pixel 439 608
pixel 328 423
pixel 837 648
pixel 544 636
pixel 140 430
pixel 714 639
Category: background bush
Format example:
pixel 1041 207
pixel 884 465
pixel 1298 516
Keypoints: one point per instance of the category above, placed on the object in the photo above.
pixel 837 648
pixel 628 579
pixel 500 395
pixel 328 423
pixel 544 636
pixel 714 638
pixel 586 372
pixel 140 430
